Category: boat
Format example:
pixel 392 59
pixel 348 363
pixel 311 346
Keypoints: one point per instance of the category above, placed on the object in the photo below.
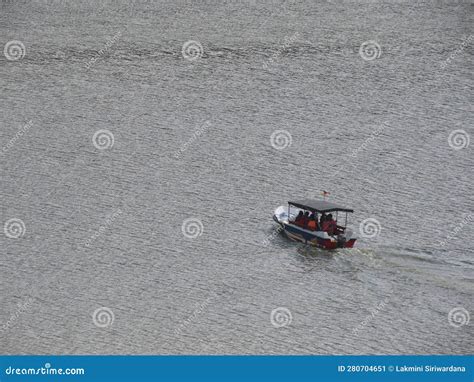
pixel 342 237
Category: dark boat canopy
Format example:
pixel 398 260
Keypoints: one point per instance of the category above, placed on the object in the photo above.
pixel 321 206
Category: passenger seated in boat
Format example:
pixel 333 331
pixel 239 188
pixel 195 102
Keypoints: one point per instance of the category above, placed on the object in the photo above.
pixel 305 219
pixel 322 219
pixel 299 218
pixel 330 225
pixel 313 224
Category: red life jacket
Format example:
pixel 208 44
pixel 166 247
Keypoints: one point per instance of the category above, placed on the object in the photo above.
pixel 329 225
pixel 325 226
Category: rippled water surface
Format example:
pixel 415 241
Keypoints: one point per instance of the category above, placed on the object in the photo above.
pixel 191 134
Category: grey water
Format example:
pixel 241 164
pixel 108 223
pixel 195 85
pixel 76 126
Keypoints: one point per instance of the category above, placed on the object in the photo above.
pixel 273 101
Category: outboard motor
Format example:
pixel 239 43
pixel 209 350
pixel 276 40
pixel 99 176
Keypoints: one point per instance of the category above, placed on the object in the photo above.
pixel 341 241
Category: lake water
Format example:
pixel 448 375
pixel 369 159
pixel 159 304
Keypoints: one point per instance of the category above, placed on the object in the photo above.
pixel 145 146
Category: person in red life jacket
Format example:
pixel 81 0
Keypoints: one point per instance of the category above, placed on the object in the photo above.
pixel 332 225
pixel 313 223
pixel 322 220
pixel 305 219
pixel 329 225
pixel 325 225
pixel 299 219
